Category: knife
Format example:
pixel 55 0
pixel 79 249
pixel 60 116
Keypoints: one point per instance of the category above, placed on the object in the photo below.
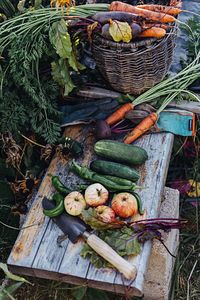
pixel 75 228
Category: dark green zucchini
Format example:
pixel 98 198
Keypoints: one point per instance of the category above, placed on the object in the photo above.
pixel 120 152
pixel 114 169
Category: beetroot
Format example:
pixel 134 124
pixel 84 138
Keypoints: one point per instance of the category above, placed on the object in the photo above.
pixel 102 130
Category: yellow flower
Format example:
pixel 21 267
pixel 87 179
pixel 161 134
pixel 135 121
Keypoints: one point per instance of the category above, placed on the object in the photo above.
pixel 62 3
pixel 195 189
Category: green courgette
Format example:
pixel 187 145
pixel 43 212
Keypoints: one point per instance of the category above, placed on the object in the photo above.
pixel 114 169
pixel 120 152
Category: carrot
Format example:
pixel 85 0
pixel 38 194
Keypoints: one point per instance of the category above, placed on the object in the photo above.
pixel 119 114
pixel 147 25
pixel 170 10
pixel 141 128
pixel 153 32
pixel 176 3
pixel 151 15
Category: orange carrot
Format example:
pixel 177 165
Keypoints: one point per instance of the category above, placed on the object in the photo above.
pixel 151 15
pixel 170 10
pixel 147 25
pixel 119 114
pixel 141 128
pixel 153 32
pixel 176 3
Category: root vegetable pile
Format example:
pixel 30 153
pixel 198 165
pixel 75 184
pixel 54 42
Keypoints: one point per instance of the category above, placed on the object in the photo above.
pixel 136 22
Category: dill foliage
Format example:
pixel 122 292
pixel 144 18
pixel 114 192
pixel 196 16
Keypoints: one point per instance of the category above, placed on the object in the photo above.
pixel 29 95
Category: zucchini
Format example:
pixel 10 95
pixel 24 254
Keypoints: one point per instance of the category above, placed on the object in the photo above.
pixel 114 169
pixel 120 152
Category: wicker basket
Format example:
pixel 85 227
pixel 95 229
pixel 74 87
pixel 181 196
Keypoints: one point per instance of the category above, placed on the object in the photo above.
pixel 134 67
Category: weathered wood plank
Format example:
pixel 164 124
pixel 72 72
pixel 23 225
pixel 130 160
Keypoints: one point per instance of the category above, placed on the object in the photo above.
pixel 73 264
pixel 67 260
pixel 50 254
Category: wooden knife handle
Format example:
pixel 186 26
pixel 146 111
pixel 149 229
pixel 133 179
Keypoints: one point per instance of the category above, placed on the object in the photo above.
pixel 104 250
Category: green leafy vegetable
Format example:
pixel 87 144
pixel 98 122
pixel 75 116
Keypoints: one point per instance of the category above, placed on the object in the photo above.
pixel 60 73
pixel 61 41
pixel 123 241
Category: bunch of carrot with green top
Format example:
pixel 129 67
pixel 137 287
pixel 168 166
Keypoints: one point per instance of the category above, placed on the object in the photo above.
pixel 169 89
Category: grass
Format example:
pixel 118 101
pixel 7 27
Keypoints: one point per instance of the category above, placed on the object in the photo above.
pixel 49 290
pixel 186 277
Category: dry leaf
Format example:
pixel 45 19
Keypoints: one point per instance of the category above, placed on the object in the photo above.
pixel 120 31
pixel 90 30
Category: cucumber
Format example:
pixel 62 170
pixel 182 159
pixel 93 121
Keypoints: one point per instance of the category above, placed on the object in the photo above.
pixel 120 152
pixel 114 169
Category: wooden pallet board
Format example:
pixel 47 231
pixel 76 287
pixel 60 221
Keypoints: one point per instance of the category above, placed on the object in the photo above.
pixel 36 251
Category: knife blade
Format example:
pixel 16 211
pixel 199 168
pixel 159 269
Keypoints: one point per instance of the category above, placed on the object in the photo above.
pixel 75 228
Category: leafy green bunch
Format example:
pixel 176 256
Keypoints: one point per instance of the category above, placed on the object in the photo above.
pixel 67 52
pixel 29 91
pixel 121 240
pixel 29 99
pixel 37 55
